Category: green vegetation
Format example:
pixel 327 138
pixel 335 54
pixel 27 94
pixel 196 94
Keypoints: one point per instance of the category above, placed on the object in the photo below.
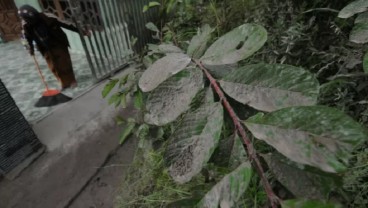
pixel 292 71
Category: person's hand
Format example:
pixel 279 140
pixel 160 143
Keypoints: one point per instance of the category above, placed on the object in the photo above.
pixel 87 33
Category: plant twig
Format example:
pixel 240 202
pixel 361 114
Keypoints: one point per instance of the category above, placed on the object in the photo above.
pixel 248 146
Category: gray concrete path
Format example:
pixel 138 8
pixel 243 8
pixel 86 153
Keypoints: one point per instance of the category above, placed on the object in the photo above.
pixel 18 73
pixel 79 136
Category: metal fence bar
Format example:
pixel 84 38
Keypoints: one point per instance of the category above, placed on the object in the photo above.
pixel 94 35
pixel 109 25
pixel 103 43
pixel 112 22
pixel 107 40
pixel 121 32
pixel 76 12
pixel 116 29
pixel 121 13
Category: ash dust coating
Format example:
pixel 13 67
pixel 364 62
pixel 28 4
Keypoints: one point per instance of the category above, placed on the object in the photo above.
pixel 194 142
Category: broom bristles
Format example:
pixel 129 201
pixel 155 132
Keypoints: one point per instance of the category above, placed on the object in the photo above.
pixel 48 101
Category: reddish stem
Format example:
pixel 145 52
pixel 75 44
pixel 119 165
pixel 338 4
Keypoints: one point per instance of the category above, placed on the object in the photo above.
pixel 274 200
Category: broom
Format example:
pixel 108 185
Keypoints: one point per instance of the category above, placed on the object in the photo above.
pixel 50 97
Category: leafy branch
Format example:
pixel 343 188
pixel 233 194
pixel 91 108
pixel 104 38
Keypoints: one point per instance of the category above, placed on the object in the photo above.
pixel 289 121
pixel 274 200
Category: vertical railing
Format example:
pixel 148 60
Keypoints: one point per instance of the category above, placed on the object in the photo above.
pixel 138 20
pixel 112 24
pixel 108 46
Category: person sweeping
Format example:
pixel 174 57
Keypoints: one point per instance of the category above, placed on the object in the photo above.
pixel 45 30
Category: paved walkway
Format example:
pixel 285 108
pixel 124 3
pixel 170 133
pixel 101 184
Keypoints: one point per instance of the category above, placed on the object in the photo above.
pixel 18 73
pixel 81 167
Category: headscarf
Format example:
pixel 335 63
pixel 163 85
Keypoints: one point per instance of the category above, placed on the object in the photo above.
pixel 35 23
pixel 29 14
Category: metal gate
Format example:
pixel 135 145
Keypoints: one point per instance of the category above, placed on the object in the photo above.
pixel 112 24
pixel 108 47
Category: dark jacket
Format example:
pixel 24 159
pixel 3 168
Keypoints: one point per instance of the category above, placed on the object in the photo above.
pixel 55 35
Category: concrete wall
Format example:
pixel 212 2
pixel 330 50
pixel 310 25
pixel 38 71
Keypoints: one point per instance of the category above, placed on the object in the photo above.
pixel 33 3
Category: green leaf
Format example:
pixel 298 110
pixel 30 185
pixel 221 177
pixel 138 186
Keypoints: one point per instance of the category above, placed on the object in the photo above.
pixel 173 97
pixel 138 100
pixel 365 63
pixel 152 27
pixel 123 80
pixel 147 61
pixel 108 87
pixel 123 100
pixel 128 130
pixel 194 141
pixel 145 8
pixel 269 87
pixel 359 34
pixel 153 3
pixel 198 44
pixel 133 40
pixel 236 45
pixel 143 131
pixel 184 203
pixel 318 136
pixel 314 185
pixel 118 100
pixel 162 69
pixel 230 189
pixel 354 8
pixel 120 120
pixel 114 98
pixel 303 203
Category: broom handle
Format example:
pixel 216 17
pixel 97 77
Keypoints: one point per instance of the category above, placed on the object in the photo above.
pixel 39 72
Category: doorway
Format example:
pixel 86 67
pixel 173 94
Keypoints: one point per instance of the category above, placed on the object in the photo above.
pixel 10 24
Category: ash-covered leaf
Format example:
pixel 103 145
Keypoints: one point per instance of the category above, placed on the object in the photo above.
pixel 236 45
pixel 162 69
pixel 361 18
pixel 221 71
pixel 365 63
pixel 194 141
pixel 152 27
pixel 302 183
pixel 229 190
pixel 173 97
pixel 269 87
pixel 304 203
pixel 359 34
pixel 238 153
pixel 169 48
pixel 353 8
pixel 198 44
pixel 318 136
